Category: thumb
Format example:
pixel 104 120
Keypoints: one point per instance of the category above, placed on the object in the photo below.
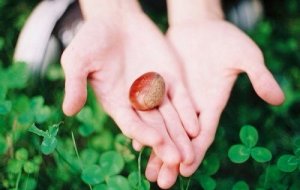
pixel 75 87
pixel 75 94
pixel 264 83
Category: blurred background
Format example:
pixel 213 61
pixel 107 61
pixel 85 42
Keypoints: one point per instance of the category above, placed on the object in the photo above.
pixel 32 93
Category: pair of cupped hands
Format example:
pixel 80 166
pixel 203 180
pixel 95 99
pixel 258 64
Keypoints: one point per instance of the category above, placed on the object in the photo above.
pixel 199 62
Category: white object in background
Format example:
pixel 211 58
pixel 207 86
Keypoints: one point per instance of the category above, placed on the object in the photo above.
pixel 35 37
pixel 246 14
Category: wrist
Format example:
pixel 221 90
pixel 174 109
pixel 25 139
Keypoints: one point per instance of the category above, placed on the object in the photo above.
pixel 191 11
pixel 103 9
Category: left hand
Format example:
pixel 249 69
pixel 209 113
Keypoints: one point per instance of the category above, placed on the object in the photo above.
pixel 213 53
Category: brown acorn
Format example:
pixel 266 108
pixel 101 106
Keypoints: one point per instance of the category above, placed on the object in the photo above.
pixel 147 91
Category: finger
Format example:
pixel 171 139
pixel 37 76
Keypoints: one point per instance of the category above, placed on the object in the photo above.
pixel 136 145
pixel 75 84
pixel 153 167
pixel 132 126
pixel 208 120
pixel 166 151
pixel 263 81
pixel 177 132
pixel 185 110
pixel 167 176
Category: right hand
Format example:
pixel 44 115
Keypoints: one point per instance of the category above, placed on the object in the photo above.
pixel 111 54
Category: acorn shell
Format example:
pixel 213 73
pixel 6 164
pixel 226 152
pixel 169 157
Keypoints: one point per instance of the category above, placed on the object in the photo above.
pixel 147 91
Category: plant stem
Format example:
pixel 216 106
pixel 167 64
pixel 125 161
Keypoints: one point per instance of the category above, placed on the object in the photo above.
pixel 76 150
pixel 26 182
pixel 181 183
pixel 140 170
pixel 18 180
pixel 267 175
pixel 188 184
pixel 77 154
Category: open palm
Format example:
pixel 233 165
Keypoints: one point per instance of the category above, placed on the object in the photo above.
pixel 111 55
pixel 213 53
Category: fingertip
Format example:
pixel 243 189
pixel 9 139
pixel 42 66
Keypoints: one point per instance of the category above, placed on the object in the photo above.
pixel 151 175
pixel 167 176
pixel 272 93
pixel 186 170
pixel 73 102
pixel 278 98
pixel 191 123
pixel 194 130
pixel 67 111
pixel 164 183
pixel 153 167
pixel 265 85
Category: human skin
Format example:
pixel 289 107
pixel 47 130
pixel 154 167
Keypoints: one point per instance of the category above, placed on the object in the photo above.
pixel 213 53
pixel 116 44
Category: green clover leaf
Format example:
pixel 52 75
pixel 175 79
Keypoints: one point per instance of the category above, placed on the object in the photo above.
pixel 15 77
pixel 239 153
pixel 118 182
pixel 22 154
pixel 207 182
pixel 93 174
pixel 210 164
pixel 288 163
pixel 261 154
pixel 14 166
pixel 240 185
pixel 133 179
pixel 48 145
pixel 100 187
pixel 49 142
pixel 29 167
pixel 89 156
pixel 249 136
pixel 112 163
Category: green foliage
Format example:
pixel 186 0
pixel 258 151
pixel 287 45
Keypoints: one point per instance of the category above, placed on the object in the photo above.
pixel 209 167
pixel 88 152
pixel 288 163
pixel 240 185
pixel 15 77
pixel 93 174
pixel 249 136
pixel 261 154
pixel 112 163
pixel 49 142
pixel 240 153
pixel 135 184
pixel 3 145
